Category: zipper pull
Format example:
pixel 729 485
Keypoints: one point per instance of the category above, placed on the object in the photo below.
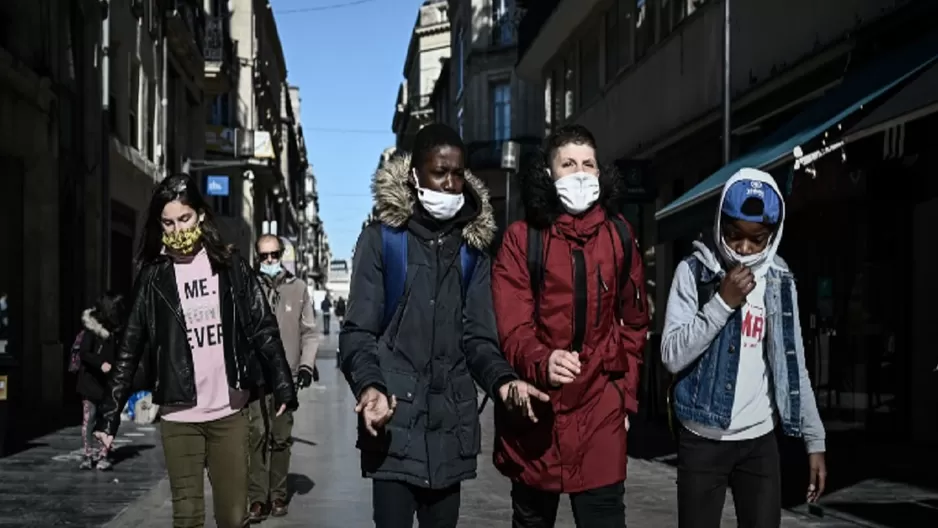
pixel 603 284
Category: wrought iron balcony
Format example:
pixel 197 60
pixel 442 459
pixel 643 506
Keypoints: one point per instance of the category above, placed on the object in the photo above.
pixel 185 30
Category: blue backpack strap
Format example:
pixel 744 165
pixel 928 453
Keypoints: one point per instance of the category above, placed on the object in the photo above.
pixel 394 260
pixel 467 259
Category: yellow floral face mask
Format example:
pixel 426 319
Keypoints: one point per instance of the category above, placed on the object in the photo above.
pixel 183 241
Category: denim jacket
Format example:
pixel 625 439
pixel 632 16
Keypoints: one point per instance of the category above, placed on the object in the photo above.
pixel 701 339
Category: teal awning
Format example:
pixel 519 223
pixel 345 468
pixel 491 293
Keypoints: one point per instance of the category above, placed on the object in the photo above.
pixel 857 89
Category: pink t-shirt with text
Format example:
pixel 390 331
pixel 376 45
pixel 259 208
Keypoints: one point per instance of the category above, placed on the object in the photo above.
pixel 200 296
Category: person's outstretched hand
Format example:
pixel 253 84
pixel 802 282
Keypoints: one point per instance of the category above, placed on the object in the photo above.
pixel 376 410
pixel 517 397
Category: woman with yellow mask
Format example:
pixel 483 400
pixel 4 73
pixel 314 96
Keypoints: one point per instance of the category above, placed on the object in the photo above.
pixel 215 344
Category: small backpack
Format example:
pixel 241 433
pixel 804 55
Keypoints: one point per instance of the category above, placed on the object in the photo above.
pixel 74 360
pixel 394 260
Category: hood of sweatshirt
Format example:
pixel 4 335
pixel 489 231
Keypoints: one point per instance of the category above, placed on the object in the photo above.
pixel 716 259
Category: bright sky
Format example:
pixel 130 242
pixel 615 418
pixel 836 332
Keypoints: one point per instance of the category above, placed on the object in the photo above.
pixel 347 57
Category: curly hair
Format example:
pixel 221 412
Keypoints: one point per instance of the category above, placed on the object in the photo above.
pixel 542 206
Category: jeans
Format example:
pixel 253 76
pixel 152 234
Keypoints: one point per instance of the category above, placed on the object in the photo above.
pixel 325 324
pixel 268 471
pixel 749 467
pixel 596 508
pixel 222 445
pixel 395 504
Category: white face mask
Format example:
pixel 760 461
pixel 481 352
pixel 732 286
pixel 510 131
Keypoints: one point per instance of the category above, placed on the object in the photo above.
pixel 578 191
pixel 753 261
pixel 442 206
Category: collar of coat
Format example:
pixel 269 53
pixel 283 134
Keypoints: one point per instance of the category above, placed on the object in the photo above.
pixel 394 201
pixel 93 325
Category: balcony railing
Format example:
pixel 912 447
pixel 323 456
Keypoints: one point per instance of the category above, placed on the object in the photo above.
pixel 185 29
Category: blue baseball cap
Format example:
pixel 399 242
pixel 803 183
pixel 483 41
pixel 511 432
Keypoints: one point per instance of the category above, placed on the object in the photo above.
pixel 752 201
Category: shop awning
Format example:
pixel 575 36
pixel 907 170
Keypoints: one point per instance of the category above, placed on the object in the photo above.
pixel 858 89
pixel 917 99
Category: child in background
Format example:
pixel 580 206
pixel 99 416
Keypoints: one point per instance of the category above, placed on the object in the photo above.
pixel 102 324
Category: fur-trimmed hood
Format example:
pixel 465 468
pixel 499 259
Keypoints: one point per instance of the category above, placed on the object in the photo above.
pixel 395 200
pixel 542 206
pixel 93 325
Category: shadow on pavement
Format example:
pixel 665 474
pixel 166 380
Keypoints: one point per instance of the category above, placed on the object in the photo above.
pixel 302 441
pixel 127 452
pixel 298 485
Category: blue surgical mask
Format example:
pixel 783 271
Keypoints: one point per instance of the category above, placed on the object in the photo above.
pixel 271 269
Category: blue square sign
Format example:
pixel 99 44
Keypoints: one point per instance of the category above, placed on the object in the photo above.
pixel 217 186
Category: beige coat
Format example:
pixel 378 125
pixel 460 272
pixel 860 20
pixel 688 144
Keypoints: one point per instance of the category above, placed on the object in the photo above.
pixel 289 299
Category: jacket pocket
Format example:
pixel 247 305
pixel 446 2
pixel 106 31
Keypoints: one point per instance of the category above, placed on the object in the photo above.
pixel 468 430
pixel 614 381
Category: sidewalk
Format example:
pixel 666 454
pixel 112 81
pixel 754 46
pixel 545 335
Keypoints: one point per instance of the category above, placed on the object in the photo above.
pixel 330 493
pixel 42 485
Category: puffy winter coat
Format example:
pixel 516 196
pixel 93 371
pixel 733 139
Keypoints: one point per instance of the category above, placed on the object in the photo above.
pixel 579 442
pixel 439 339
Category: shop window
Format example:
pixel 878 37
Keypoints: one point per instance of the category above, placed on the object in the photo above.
pixel 133 105
pixel 645 11
pixel 589 66
pixel 624 25
pixel 569 81
pixel 611 44
pixel 501 111
pixel 503 24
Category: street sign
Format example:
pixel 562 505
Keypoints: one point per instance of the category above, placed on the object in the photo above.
pixel 511 151
pixel 217 186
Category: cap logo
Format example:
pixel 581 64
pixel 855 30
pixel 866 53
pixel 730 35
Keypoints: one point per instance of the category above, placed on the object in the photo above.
pixel 755 184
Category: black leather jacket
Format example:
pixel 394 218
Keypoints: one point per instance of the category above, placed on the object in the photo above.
pixel 254 358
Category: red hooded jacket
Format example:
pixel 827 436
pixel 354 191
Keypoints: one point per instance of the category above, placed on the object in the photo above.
pixel 579 441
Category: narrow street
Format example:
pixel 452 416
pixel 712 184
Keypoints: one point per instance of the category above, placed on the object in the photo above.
pixel 43 487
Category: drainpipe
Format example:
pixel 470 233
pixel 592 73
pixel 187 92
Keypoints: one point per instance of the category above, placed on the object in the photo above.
pixel 106 146
pixel 164 101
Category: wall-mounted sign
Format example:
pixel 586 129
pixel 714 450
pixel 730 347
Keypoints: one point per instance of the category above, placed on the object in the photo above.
pixel 217 186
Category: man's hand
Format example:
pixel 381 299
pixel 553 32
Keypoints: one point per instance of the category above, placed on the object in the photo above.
pixel 818 480
pixel 517 397
pixel 375 409
pixel 627 424
pixel 105 367
pixel 304 377
pixel 737 284
pixel 562 367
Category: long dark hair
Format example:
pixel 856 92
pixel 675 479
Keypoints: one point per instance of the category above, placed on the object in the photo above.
pixel 182 188
pixel 110 310
pixel 538 194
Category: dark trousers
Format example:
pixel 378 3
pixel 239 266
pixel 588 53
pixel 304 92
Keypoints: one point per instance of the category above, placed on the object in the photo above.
pixel 749 467
pixel 396 503
pixel 269 457
pixel 596 508
pixel 326 318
